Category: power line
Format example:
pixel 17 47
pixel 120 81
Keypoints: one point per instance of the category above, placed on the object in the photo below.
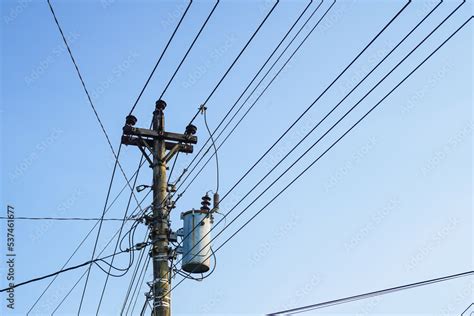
pixel 256 100
pixel 189 49
pixel 132 280
pixel 116 155
pixel 311 105
pixel 237 58
pixel 82 242
pixel 161 56
pixel 62 271
pixel 348 94
pixel 204 111
pixel 67 218
pixel 143 274
pixel 372 294
pixel 250 84
pixel 319 157
pixel 119 235
pixel 80 278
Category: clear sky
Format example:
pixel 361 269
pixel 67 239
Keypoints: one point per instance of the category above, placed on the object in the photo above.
pixel 390 204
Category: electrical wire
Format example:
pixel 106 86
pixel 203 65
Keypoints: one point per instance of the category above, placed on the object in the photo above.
pixel 226 73
pixel 116 155
pixel 333 144
pixel 132 280
pixel 347 95
pixel 161 56
pixel 66 218
pixel 118 238
pixel 237 58
pixel 204 111
pixel 60 271
pixel 311 105
pixel 83 275
pixel 256 76
pixel 138 287
pixel 248 86
pixel 268 150
pixel 372 294
pixel 189 49
pixel 79 246
pixel 172 167
pixel 256 100
pixel 92 105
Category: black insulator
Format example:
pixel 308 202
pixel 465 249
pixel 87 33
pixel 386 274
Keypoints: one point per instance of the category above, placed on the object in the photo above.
pixel 206 202
pixel 191 129
pixel 160 105
pixel 130 120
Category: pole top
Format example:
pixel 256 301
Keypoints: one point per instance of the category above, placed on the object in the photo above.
pixel 160 105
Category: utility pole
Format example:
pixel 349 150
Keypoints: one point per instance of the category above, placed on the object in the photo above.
pixel 162 146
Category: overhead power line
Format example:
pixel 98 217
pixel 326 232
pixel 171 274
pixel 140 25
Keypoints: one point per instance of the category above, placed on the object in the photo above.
pixel 189 49
pixel 372 294
pixel 347 95
pixel 161 57
pixel 248 87
pixel 116 155
pixel 67 218
pixel 304 113
pixel 119 235
pixel 237 58
pixel 82 243
pixel 62 271
pixel 323 154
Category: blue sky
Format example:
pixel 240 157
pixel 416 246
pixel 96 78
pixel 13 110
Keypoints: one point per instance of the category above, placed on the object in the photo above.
pixel 390 204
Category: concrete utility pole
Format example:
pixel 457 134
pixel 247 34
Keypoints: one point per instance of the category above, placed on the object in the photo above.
pixel 162 146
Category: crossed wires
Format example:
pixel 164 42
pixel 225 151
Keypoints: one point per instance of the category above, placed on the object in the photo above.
pixel 163 93
pixel 107 137
pixel 304 113
pixel 374 87
pixel 464 24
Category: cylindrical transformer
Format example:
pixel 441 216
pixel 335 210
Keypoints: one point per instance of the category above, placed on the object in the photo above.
pixel 197 241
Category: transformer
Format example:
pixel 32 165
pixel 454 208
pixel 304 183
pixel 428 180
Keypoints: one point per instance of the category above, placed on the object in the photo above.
pixel 196 241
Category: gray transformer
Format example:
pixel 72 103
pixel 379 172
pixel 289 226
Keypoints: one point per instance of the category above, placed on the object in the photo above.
pixel 196 252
